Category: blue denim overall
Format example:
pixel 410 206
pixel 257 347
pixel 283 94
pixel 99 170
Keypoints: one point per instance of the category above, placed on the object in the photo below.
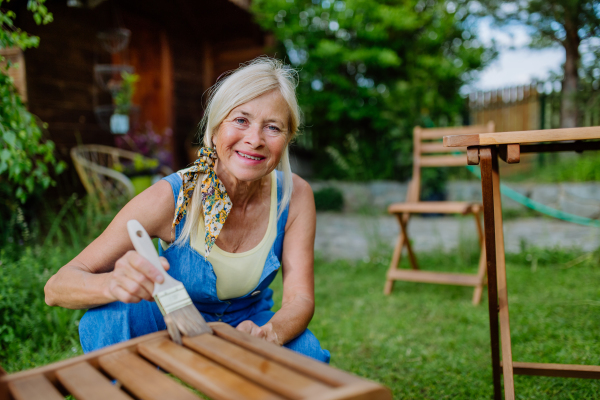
pixel 116 322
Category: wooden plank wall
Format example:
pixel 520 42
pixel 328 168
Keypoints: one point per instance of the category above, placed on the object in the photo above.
pixel 59 74
pixel 193 45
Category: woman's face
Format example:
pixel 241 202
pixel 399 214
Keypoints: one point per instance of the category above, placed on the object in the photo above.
pixel 252 138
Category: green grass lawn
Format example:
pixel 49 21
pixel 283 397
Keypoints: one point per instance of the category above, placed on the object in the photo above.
pixel 429 342
pixel 424 341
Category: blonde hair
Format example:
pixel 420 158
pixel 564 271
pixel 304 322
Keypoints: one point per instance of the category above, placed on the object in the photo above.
pixel 246 83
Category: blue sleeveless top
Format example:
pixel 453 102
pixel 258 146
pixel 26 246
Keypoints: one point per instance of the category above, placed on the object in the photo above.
pixel 198 276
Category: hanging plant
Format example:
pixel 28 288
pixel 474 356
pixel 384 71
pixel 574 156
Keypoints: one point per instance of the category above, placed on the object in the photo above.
pixel 122 99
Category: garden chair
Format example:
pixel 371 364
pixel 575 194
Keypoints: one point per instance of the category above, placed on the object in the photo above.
pixel 99 168
pixel 429 152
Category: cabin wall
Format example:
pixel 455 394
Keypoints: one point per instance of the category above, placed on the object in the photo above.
pixel 179 49
pixel 59 74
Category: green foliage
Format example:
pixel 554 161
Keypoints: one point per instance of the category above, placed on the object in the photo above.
pixel 553 21
pixel 350 160
pixel 31 333
pixel 433 183
pixel 371 71
pixel 123 96
pixel 139 165
pixel 569 168
pixel 329 199
pixel 27 162
pixel 11 36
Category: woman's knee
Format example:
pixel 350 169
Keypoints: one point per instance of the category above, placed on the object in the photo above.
pixel 114 323
pixel 308 344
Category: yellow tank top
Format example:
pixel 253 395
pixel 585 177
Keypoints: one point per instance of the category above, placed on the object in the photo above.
pixel 239 273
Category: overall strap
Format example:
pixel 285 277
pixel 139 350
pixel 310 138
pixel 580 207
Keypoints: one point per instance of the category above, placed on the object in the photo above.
pixel 282 220
pixel 175 181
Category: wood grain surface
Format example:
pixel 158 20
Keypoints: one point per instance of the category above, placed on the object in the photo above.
pixel 86 383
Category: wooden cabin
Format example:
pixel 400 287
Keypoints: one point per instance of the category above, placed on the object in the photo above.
pixel 178 48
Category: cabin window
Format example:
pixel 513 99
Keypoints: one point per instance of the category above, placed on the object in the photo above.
pixel 17 71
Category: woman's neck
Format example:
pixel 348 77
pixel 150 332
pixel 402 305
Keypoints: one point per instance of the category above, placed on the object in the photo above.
pixel 241 193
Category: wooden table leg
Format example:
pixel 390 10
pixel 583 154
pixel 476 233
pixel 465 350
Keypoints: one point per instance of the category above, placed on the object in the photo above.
pixel 507 364
pixel 487 189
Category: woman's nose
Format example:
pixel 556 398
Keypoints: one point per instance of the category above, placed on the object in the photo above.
pixel 253 136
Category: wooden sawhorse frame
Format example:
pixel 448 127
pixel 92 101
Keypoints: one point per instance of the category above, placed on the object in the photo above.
pixel 484 149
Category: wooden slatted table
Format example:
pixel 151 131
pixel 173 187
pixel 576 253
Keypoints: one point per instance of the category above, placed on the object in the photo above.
pixel 227 365
pixel 484 149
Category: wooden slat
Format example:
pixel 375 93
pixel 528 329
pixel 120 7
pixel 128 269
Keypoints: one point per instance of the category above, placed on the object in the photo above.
pixel 438 147
pixel 546 135
pixel 510 153
pixel 437 133
pixel 461 140
pixel 443 207
pixel 520 137
pixel 443 161
pixel 85 382
pixel 445 278
pixel 205 375
pixel 35 387
pixel 276 377
pixel 562 370
pixel 49 371
pixel 294 361
pixel 359 391
pixel 142 379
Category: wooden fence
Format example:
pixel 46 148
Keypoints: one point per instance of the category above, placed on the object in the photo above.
pixel 529 107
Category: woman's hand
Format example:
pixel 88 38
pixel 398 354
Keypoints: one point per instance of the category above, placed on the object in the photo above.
pixel 133 278
pixel 264 332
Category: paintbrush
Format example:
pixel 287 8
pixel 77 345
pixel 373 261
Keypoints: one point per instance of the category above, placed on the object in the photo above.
pixel 170 296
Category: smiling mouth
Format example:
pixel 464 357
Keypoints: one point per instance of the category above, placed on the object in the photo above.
pixel 250 157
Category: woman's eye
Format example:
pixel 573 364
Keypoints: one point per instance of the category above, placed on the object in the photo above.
pixel 273 128
pixel 240 120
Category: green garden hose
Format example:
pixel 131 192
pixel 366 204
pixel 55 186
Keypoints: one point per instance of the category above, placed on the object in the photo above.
pixel 539 207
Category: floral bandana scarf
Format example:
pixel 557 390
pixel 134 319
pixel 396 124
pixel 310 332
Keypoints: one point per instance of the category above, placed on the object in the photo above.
pixel 215 201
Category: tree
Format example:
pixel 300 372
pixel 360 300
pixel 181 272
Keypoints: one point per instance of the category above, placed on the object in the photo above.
pixel 27 162
pixel 565 23
pixel 370 71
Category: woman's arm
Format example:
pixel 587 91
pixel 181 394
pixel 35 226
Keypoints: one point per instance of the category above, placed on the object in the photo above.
pixel 108 269
pixel 298 302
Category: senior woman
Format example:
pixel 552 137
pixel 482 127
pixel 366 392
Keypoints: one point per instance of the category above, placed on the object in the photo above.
pixel 226 225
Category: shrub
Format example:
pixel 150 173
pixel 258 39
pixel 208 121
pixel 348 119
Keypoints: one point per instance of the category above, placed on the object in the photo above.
pixel 329 199
pixel 31 333
pixel 27 161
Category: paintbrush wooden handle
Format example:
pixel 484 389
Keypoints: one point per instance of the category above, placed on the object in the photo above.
pixel 144 246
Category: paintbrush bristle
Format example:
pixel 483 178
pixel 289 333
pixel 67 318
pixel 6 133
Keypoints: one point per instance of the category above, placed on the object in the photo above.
pixel 189 321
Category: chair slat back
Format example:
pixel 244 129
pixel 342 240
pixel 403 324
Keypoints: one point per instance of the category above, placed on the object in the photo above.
pixel 429 151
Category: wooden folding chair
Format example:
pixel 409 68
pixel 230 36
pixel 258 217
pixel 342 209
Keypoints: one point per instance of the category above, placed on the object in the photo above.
pixel 426 143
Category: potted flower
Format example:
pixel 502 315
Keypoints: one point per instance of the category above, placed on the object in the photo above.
pixel 153 159
pixel 122 98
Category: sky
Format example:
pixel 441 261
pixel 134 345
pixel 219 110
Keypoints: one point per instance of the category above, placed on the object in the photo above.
pixel 515 64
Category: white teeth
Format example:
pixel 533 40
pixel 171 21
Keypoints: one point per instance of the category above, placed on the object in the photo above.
pixel 247 156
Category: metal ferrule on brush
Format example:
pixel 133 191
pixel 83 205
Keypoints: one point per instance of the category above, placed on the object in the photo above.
pixel 172 299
